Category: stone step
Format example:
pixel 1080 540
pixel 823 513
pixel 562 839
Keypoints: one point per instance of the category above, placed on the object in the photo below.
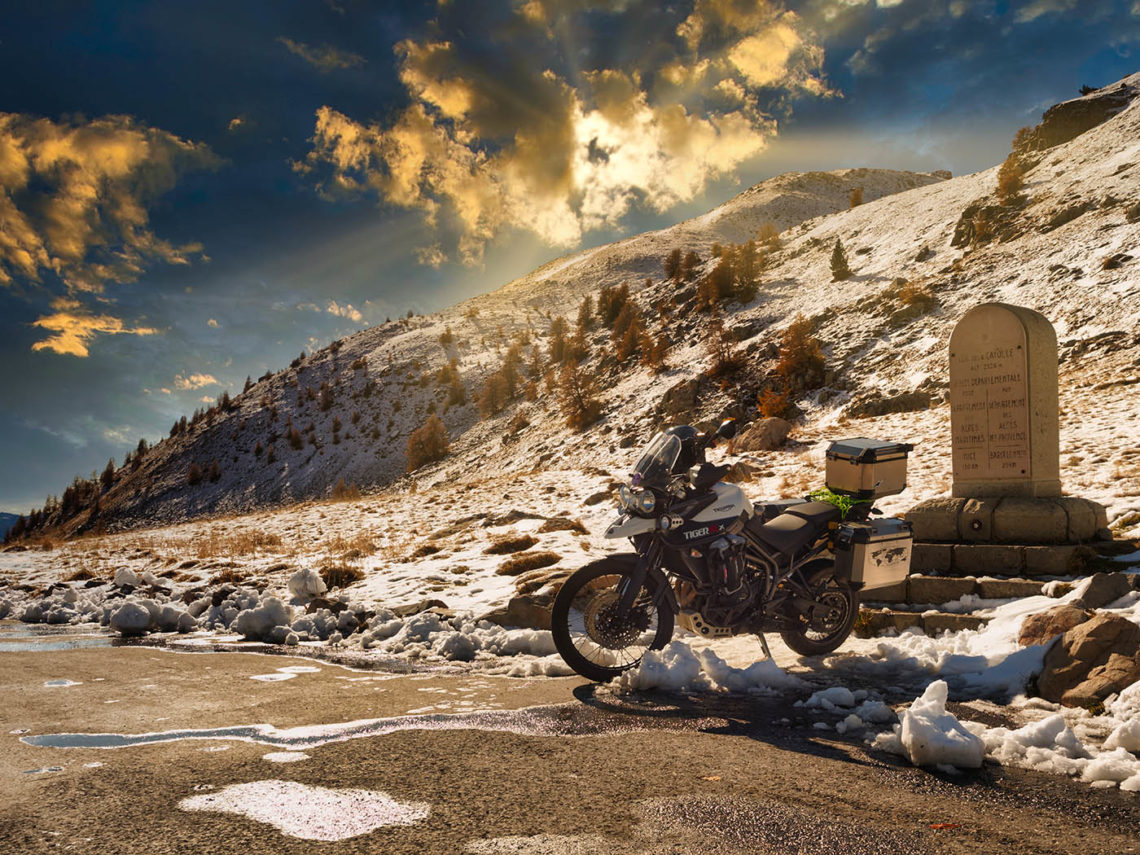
pixel 919 588
pixel 872 622
pixel 972 559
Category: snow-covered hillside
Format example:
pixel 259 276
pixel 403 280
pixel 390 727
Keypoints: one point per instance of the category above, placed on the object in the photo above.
pixel 345 413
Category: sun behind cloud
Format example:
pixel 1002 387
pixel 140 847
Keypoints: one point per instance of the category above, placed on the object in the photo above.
pixel 556 148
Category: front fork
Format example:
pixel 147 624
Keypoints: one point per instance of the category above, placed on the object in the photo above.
pixel 630 585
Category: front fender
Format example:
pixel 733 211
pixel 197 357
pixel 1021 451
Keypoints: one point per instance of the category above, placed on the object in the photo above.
pixel 629 526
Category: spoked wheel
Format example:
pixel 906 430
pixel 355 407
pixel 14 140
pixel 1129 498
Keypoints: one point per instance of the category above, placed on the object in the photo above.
pixel 591 635
pixel 829 623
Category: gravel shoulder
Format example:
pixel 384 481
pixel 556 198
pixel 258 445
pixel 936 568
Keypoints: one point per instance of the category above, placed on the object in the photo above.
pixel 575 769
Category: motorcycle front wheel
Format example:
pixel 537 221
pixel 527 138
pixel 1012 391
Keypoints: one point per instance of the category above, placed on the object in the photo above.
pixel 831 621
pixel 589 633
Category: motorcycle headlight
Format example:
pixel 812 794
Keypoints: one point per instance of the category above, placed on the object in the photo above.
pixel 646 502
pixel 624 497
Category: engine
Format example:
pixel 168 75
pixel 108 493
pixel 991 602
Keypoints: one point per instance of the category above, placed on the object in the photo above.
pixel 728 595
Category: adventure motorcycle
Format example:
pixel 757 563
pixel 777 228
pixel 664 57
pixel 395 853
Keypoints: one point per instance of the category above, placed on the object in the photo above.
pixel 707 559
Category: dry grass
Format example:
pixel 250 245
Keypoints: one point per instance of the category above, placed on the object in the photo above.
pixel 228 576
pixel 510 543
pixel 341 576
pixel 80 575
pixel 349 548
pixel 215 543
pixel 519 564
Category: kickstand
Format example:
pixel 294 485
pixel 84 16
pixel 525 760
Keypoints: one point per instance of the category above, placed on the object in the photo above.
pixel 764 644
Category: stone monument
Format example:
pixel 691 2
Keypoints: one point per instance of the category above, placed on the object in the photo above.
pixel 1006 514
pixel 1003 403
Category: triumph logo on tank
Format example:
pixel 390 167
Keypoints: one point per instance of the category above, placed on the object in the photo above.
pixel 702 532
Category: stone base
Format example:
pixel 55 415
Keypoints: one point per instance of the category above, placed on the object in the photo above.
pixel 874 622
pixel 1006 559
pixel 1009 520
pixel 933 590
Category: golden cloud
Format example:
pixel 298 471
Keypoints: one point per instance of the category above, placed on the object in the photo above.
pixel 194 381
pixel 508 143
pixel 324 58
pixel 74 197
pixel 72 328
pixel 345 311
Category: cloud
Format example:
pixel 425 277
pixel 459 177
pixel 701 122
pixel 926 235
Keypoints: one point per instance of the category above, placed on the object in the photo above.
pixel 73 328
pixel 194 381
pixel 345 311
pixel 74 198
pixel 431 256
pixel 324 58
pixel 1035 9
pixel 212 323
pixel 500 135
pixel 236 123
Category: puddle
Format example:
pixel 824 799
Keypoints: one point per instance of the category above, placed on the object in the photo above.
pixel 562 720
pixel 310 813
pixel 286 673
pixel 285 756
pixel 60 684
pixel 44 770
pixel 41 638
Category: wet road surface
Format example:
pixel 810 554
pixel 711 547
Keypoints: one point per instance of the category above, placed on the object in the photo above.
pixel 442 763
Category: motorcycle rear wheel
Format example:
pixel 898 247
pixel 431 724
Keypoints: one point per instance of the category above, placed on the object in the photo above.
pixel 589 634
pixel 830 628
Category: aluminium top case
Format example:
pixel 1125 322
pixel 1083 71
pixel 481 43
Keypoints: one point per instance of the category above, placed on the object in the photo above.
pixel 867 468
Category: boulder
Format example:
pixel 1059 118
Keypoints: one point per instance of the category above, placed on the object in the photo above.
pixel 525 612
pixel 130 619
pixel 870 406
pixel 124 578
pixel 763 435
pixel 1085 647
pixel 1117 673
pixel 417 608
pixel 679 399
pixel 1100 589
pixel 1040 627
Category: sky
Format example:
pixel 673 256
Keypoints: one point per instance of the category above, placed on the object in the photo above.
pixel 193 193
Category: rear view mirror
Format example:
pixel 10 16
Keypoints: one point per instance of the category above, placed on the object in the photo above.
pixel 727 429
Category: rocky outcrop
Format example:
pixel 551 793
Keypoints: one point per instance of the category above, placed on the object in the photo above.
pixel 1041 627
pixel 1100 589
pixel 1091 661
pixel 1069 119
pixel 763 435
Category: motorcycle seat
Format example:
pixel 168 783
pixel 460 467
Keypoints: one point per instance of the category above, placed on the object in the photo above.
pixel 797 527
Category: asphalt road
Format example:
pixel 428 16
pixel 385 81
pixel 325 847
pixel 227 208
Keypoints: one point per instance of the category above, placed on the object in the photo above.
pixel 481 765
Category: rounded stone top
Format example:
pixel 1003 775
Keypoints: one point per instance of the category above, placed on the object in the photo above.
pixel 1037 328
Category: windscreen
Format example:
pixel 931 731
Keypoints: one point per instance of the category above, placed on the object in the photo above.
pixel 656 463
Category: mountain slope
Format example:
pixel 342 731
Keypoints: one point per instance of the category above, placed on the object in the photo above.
pixel 922 252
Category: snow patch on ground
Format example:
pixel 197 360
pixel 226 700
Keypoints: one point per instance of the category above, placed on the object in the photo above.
pixel 310 813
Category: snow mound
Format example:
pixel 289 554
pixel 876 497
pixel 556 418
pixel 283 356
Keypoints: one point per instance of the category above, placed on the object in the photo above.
pixel 677 667
pixel 928 735
pixel 306 584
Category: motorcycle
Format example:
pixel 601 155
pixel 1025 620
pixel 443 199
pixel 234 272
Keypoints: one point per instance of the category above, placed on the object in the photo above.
pixel 706 558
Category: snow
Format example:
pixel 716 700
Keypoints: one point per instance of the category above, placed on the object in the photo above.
pixel 306 584
pixel 677 667
pixel 928 735
pixel 310 813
